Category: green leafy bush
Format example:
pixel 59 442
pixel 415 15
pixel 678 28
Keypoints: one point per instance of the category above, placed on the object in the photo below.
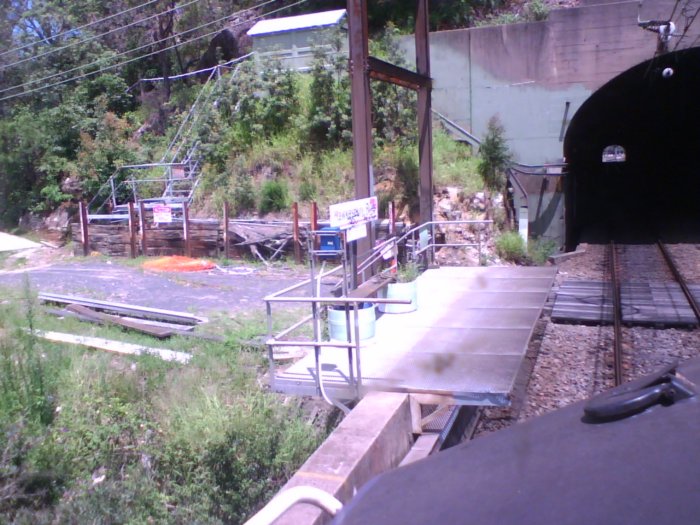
pixel 510 246
pixel 537 11
pixel 274 196
pixel 540 249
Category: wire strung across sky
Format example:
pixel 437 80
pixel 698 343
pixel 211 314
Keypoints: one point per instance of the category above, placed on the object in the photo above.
pixel 68 31
pixel 119 64
pixel 95 37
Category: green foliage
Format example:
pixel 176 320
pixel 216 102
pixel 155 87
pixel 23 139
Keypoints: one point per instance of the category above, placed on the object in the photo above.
pixel 274 196
pixel 307 191
pixel 407 272
pixel 454 164
pixel 539 250
pixel 510 246
pixel 408 174
pixel 244 194
pixel 394 108
pixel 494 156
pixel 328 116
pixel 537 10
pixel 141 441
pixel 266 98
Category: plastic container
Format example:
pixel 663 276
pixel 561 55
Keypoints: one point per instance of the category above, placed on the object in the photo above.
pixel 337 322
pixel 329 241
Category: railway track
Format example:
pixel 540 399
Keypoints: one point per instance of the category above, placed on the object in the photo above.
pixel 640 264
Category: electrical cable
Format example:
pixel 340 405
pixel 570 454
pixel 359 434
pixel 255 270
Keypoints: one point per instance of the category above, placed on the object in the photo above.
pixel 95 37
pixel 25 46
pixel 150 44
pixel 113 66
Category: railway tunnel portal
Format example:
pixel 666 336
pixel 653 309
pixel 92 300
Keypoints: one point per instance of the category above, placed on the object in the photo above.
pixel 633 154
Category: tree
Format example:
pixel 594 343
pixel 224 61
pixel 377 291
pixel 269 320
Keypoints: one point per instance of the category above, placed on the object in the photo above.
pixel 494 158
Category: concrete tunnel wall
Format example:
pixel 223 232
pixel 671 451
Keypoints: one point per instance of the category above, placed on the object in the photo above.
pixel 536 76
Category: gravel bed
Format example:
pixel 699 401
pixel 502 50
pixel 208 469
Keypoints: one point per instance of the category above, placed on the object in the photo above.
pixel 570 362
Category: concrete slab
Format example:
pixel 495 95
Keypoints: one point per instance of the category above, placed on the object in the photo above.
pixel 11 243
pixel 373 438
pixel 466 341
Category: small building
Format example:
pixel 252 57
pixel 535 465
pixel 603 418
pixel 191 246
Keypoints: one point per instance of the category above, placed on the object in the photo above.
pixel 292 39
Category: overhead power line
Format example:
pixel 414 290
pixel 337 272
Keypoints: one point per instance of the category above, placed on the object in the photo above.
pixel 139 48
pixel 25 46
pixel 113 66
pixel 95 37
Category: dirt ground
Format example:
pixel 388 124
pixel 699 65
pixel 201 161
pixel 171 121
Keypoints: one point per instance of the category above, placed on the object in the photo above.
pixel 226 290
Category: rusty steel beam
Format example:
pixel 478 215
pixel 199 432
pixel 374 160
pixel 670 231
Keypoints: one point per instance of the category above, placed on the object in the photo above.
pixel 387 72
pixel 361 105
pixel 425 131
pixel 361 99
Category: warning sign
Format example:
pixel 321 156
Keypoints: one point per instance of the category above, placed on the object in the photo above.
pixel 162 214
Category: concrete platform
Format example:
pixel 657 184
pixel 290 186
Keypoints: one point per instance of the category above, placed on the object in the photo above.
pixel 11 243
pixel 466 341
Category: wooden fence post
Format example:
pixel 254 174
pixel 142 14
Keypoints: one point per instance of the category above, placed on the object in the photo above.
pixel 132 231
pixel 186 229
pixel 226 234
pixel 84 234
pixel 142 225
pixel 297 246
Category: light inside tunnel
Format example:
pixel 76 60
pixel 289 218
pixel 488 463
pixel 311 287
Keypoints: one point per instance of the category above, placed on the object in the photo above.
pixel 655 192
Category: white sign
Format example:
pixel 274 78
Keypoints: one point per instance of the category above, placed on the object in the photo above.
pixel 352 213
pixel 356 232
pixel 162 214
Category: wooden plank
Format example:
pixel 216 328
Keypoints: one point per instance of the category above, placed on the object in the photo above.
pixel 128 309
pixel 115 346
pixel 155 331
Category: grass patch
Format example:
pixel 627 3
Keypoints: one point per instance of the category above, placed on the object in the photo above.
pixel 453 163
pixel 93 437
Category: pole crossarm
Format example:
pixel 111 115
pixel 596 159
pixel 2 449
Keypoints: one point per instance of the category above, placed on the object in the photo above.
pixel 387 72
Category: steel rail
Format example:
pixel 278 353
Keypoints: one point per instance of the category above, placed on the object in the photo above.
pixel 679 279
pixel 617 316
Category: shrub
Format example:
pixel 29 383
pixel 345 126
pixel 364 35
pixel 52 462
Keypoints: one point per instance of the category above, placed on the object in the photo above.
pixel 244 194
pixel 537 11
pixel 274 196
pixel 510 246
pixel 407 272
pixel 539 250
pixel 307 191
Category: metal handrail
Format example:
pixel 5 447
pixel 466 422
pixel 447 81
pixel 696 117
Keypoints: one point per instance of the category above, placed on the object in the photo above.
pixel 290 497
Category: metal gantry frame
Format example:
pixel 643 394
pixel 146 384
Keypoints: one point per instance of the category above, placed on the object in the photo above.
pixel 362 68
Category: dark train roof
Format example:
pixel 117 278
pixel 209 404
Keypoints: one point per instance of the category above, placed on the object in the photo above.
pixel 630 455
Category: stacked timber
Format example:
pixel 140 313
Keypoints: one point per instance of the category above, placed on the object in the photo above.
pixel 107 239
pixel 272 239
pixel 205 238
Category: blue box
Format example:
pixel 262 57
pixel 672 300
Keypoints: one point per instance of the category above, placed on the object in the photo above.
pixel 329 241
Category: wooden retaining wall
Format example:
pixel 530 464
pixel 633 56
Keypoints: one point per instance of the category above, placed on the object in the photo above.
pixel 189 237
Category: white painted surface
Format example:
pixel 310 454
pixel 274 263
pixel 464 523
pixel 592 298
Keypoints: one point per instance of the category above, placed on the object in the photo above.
pixel 11 243
pixel 293 23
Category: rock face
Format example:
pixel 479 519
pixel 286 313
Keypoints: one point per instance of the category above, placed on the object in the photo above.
pixel 59 220
pixel 451 204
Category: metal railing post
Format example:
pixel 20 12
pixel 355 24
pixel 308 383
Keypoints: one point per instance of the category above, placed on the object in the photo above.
pixel 270 348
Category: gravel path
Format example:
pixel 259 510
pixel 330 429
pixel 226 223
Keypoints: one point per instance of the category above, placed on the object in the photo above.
pixel 573 362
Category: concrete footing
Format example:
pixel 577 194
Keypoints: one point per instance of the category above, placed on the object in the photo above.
pixel 373 438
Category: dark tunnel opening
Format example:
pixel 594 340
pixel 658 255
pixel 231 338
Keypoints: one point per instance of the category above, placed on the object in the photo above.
pixel 653 111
